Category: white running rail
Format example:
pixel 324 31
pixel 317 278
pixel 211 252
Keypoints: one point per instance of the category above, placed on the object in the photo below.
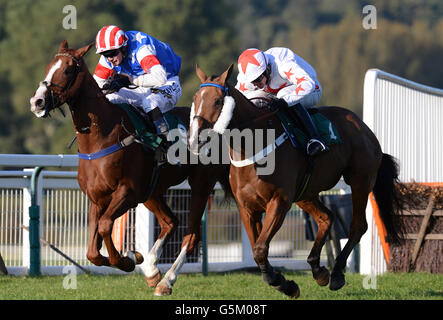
pixel 407 119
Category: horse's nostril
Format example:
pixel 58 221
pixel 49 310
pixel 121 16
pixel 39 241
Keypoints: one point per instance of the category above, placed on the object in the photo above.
pixel 39 102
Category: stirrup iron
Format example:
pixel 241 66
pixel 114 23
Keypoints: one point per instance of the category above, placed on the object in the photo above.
pixel 315 147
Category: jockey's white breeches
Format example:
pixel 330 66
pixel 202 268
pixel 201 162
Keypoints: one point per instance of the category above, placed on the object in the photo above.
pixel 289 94
pixel 165 99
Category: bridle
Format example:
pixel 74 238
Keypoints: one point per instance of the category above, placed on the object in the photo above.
pixel 225 90
pixel 55 96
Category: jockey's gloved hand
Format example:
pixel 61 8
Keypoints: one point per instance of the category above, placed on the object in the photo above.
pixel 278 104
pixel 118 83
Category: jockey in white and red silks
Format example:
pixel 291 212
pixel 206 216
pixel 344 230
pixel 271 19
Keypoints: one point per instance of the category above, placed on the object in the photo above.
pixel 147 63
pixel 293 81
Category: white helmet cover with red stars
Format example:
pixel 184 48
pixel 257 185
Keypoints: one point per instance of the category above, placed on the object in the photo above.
pixel 110 38
pixel 252 63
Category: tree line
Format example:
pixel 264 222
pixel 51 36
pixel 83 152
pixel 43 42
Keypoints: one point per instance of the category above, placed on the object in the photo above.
pixel 407 41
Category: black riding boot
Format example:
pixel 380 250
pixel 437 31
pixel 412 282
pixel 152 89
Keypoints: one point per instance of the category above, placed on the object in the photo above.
pixel 161 126
pixel 315 145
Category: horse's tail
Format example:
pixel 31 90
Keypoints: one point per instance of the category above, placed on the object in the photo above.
pixel 387 197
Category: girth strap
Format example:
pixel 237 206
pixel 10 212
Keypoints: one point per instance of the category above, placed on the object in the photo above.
pixel 111 149
pixel 306 179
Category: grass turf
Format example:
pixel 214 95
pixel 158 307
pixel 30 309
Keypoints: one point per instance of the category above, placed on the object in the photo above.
pixel 221 286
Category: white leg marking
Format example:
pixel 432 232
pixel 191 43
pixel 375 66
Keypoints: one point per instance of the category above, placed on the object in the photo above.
pixel 171 276
pixel 152 258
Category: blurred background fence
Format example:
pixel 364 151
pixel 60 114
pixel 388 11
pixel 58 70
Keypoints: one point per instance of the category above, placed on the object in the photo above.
pixel 64 224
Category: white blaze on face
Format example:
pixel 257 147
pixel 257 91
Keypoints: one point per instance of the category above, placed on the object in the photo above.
pixel 220 125
pixel 193 127
pixel 41 91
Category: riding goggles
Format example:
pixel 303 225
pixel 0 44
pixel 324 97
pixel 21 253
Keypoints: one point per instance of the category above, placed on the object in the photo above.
pixel 110 53
pixel 259 78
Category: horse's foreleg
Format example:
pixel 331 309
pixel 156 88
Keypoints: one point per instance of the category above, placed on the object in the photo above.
pixel 275 215
pixel 202 183
pixel 252 223
pixel 201 188
pixel 118 206
pixel 164 287
pixel 323 216
pixel 151 271
pixel 168 223
pixel 95 240
pixel 358 227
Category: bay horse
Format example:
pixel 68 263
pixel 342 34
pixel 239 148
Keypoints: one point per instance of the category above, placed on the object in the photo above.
pixel 119 180
pixel 358 159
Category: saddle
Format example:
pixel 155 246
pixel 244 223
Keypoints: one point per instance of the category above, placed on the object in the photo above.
pixel 299 139
pixel 145 131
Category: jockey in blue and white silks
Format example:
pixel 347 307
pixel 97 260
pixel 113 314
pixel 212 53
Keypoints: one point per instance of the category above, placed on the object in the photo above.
pixel 148 63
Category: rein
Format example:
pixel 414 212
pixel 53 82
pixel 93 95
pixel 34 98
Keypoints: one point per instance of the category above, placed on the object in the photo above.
pixel 49 84
pixel 95 155
pixel 256 120
pixel 242 125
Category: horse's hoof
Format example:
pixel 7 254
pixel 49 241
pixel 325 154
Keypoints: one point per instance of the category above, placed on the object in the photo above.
pixel 292 289
pixel 337 281
pixel 126 264
pixel 162 290
pixel 153 281
pixel 289 288
pixel 322 277
pixel 135 256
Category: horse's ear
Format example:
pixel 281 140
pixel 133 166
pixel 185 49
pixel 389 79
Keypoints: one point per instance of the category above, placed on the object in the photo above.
pixel 203 77
pixel 83 50
pixel 225 76
pixel 63 46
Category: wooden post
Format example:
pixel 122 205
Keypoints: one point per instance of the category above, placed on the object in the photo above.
pixel 421 233
pixel 3 266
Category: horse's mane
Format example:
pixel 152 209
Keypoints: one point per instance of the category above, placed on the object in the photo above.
pixel 239 96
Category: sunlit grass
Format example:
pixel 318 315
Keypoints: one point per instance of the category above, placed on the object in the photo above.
pixel 221 286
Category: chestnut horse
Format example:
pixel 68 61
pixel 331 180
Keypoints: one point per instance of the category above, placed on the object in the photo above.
pixel 117 181
pixel 358 159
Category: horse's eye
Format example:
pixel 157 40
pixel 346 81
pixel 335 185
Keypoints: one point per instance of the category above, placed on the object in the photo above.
pixel 68 71
pixel 219 102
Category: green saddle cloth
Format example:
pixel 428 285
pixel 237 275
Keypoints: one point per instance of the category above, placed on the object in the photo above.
pixel 328 132
pixel 174 122
pixel 151 140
